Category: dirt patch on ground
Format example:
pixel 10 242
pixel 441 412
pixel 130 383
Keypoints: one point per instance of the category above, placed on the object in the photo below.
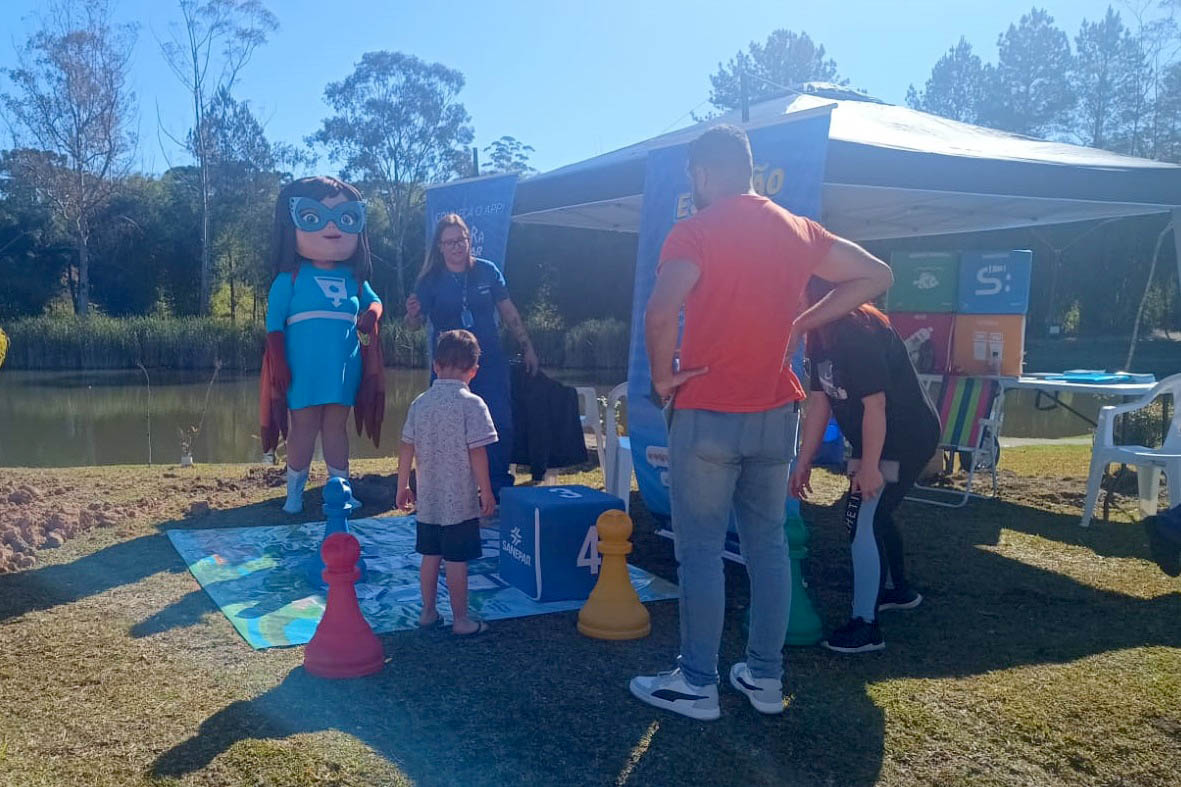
pixel 41 510
pixel 33 518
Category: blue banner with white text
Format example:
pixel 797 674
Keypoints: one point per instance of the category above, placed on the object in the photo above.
pixel 789 161
pixel 486 204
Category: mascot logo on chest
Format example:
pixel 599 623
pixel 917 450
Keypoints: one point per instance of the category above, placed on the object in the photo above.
pixel 333 289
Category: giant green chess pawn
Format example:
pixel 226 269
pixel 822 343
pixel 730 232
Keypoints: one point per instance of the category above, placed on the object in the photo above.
pixel 803 624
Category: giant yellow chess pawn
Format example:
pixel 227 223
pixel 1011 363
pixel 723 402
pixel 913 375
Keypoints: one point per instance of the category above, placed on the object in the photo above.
pixel 613 610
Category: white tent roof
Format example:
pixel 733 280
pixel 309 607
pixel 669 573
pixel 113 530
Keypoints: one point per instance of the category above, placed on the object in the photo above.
pixel 891 172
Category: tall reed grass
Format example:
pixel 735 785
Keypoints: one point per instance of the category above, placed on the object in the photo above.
pixel 69 343
pixel 44 343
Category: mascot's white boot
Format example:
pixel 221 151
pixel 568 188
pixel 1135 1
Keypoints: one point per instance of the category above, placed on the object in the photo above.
pixel 296 481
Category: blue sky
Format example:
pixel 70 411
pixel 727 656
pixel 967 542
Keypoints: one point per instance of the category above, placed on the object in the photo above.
pixel 571 78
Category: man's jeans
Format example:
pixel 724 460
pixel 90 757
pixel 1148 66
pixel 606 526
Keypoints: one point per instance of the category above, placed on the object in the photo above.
pixel 720 462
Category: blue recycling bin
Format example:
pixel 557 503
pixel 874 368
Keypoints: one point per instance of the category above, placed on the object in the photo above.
pixel 995 282
pixel 548 541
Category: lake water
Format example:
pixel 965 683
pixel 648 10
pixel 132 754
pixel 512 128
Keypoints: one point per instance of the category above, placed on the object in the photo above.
pixel 69 419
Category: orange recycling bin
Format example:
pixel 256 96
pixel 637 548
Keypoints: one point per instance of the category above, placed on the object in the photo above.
pixel 988 344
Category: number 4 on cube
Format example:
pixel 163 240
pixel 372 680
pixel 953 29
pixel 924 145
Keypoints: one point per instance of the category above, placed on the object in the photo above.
pixel 588 556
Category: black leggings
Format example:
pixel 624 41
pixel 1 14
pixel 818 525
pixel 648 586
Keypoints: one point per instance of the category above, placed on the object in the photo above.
pixel 881 554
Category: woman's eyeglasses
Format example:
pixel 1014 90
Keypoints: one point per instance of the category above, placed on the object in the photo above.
pixel 456 243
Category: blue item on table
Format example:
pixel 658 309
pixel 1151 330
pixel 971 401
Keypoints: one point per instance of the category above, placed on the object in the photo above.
pixel 548 541
pixel 1097 377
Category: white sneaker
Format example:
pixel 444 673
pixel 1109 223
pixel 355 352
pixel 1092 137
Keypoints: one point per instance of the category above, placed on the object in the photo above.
pixel 670 691
pixel 295 484
pixel 765 694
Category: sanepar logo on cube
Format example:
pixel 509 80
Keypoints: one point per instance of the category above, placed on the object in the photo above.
pixel 512 547
pixel 548 542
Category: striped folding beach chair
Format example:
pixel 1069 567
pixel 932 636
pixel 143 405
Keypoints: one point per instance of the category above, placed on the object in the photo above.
pixel 970 411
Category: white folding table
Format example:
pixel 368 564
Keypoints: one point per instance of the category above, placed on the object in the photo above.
pixel 1049 388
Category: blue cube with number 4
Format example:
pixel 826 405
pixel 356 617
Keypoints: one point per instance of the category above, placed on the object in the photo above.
pixel 548 543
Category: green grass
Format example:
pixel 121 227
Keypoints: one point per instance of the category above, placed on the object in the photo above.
pixel 1044 654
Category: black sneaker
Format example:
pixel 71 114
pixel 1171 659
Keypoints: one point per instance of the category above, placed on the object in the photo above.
pixel 892 598
pixel 1164 552
pixel 856 636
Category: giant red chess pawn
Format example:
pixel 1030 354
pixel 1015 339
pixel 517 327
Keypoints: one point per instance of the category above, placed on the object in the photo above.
pixel 344 646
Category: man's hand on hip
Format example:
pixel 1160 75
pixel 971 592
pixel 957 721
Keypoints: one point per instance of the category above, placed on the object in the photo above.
pixel 667 387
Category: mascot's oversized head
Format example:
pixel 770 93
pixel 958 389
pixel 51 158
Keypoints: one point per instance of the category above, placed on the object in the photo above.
pixel 320 219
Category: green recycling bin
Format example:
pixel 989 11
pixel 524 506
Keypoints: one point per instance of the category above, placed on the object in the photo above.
pixel 924 281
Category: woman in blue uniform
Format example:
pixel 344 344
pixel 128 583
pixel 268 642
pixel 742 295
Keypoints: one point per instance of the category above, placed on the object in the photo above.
pixel 319 302
pixel 459 290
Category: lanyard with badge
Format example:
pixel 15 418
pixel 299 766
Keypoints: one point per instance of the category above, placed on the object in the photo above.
pixel 465 315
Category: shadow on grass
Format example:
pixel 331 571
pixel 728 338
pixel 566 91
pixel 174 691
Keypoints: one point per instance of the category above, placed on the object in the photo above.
pixel 983 610
pixel 1108 539
pixel 120 564
pixel 536 703
pixel 533 702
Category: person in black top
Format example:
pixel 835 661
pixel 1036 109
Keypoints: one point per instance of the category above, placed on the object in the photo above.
pixel 862 375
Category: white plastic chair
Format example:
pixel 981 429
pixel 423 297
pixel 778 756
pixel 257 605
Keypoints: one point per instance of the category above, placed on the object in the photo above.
pixel 617 471
pixel 592 421
pixel 1149 462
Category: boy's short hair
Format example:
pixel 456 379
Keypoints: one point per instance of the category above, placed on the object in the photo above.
pixel 723 148
pixel 457 350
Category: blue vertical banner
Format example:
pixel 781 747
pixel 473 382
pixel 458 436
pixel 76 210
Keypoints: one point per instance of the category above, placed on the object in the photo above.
pixel 789 161
pixel 486 204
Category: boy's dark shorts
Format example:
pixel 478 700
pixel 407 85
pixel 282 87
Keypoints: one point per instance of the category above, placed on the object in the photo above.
pixel 456 543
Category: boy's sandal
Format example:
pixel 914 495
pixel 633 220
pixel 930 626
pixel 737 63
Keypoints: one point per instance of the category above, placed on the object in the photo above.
pixel 481 627
pixel 435 623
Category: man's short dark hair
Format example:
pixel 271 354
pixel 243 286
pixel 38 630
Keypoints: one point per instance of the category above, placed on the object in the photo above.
pixel 457 350
pixel 724 149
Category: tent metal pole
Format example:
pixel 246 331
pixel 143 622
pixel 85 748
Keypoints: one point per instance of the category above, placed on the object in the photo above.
pixel 1177 241
pixel 744 96
pixel 1147 288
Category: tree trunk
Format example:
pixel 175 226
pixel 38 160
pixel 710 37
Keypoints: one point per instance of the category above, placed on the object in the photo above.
pixel 397 225
pixel 399 267
pixel 82 306
pixel 233 292
pixel 206 270
pixel 1051 315
pixel 72 283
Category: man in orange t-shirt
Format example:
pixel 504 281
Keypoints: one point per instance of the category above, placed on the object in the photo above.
pixel 738 268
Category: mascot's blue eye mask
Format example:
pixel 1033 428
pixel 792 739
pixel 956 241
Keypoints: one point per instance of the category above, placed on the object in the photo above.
pixel 312 215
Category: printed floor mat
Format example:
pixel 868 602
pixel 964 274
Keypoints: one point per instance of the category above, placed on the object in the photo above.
pixel 258 578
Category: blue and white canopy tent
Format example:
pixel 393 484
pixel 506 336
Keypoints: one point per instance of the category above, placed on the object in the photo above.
pixel 887 172
pixel 891 172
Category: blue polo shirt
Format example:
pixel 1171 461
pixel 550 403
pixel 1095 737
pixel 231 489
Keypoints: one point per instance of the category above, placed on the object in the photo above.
pixel 442 297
